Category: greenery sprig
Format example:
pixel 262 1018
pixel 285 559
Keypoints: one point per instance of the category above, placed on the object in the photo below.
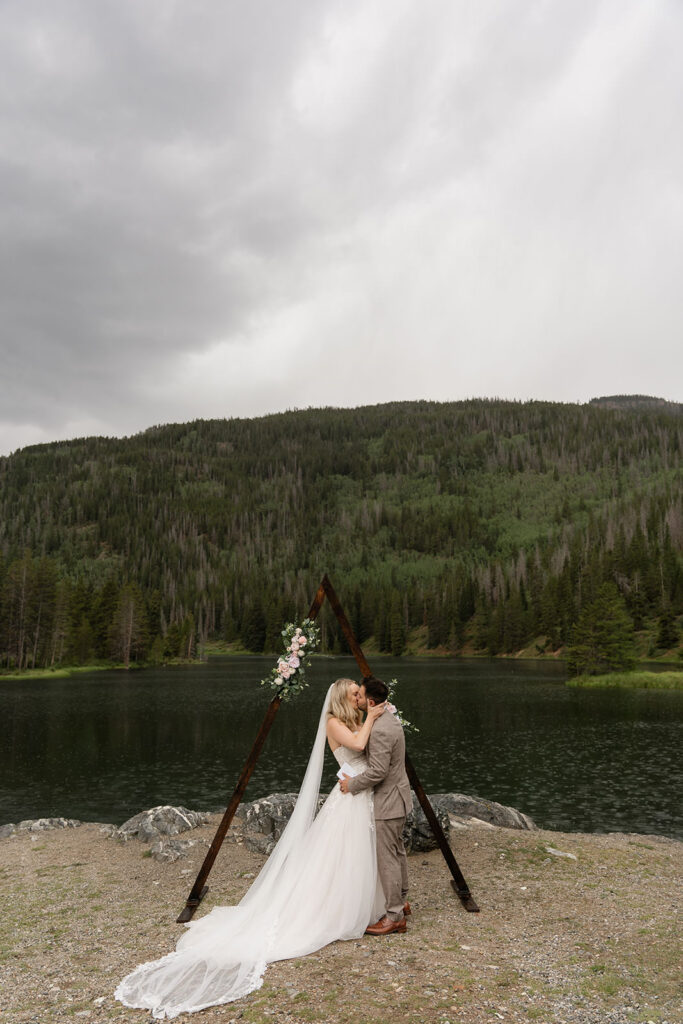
pixel 407 726
pixel 288 676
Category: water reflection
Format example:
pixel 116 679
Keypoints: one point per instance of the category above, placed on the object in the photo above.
pixel 102 747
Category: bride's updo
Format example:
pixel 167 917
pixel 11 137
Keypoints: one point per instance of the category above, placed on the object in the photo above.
pixel 341 707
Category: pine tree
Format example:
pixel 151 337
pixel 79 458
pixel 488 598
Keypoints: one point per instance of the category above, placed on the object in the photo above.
pixel 43 609
pixel 668 632
pixel 602 639
pixel 481 626
pixel 81 643
pixel 129 633
pixel 434 621
pixel 102 614
pixel 186 643
pixel 59 629
pixel 254 628
pixel 513 628
pixel 398 633
pixel 381 626
pixel 17 601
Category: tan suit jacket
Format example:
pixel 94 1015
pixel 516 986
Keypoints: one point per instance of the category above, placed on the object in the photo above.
pixel 386 770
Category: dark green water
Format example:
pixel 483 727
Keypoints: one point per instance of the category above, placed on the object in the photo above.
pixel 103 746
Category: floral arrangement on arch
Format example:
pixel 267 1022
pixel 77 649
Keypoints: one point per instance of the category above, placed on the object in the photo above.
pixel 288 676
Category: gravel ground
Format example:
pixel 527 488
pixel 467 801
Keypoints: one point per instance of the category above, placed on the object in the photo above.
pixel 585 941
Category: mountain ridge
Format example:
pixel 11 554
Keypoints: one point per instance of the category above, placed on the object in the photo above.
pixel 614 402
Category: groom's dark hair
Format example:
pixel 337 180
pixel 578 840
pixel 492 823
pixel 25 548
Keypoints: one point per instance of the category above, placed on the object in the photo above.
pixel 375 689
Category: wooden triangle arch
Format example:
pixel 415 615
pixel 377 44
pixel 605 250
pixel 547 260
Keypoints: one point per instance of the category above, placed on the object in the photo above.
pixel 199 889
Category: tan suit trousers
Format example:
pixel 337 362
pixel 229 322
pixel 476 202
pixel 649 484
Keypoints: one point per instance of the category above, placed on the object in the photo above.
pixel 392 864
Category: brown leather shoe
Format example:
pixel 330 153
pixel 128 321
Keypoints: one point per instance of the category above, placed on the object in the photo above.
pixel 385 926
pixel 406 910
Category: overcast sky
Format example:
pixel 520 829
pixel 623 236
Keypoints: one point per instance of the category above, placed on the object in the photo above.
pixel 211 208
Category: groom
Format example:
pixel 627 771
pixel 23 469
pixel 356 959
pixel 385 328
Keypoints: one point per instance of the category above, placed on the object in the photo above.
pixel 386 774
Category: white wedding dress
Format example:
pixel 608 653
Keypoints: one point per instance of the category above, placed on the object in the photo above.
pixel 319 884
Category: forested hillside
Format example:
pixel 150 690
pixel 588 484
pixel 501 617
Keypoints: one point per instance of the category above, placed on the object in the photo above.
pixel 478 525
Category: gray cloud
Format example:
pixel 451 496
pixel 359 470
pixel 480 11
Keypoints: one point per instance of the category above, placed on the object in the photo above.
pixel 218 209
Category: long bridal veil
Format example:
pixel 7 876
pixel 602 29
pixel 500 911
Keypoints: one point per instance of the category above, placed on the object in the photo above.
pixel 318 885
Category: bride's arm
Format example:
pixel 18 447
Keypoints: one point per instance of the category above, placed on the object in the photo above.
pixel 343 736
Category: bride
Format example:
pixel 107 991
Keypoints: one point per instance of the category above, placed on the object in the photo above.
pixel 319 884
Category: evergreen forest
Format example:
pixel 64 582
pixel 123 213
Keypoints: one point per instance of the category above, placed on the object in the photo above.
pixel 479 526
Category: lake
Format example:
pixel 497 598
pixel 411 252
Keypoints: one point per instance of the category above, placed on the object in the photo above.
pixel 103 746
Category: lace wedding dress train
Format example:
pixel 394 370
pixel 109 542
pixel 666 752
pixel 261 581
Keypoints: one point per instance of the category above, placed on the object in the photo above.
pixel 319 884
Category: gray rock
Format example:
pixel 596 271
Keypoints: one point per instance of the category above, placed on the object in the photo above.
pixel 170 850
pixel 263 821
pixel 45 824
pixel 268 815
pixel 160 821
pixel 460 805
pixel 10 829
pixel 560 853
pixel 259 842
pixel 417 834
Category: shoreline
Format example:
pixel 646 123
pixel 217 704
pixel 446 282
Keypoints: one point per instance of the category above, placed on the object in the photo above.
pixel 11 829
pixel 582 934
pixel 670 667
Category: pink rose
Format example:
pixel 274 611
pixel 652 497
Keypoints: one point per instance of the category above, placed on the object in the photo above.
pixel 302 640
pixel 293 661
pixel 286 672
pixel 294 648
pixel 281 666
pixel 391 707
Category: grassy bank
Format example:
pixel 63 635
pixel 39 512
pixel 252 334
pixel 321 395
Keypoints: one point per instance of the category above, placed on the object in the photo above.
pixel 66 671
pixel 632 680
pixel 220 648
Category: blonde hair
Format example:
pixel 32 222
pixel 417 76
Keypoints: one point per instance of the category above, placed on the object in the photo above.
pixel 340 706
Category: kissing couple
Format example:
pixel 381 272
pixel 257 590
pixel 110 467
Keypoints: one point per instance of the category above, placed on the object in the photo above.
pixel 333 875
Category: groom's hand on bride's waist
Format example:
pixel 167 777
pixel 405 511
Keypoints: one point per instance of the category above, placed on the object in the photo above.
pixel 344 783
